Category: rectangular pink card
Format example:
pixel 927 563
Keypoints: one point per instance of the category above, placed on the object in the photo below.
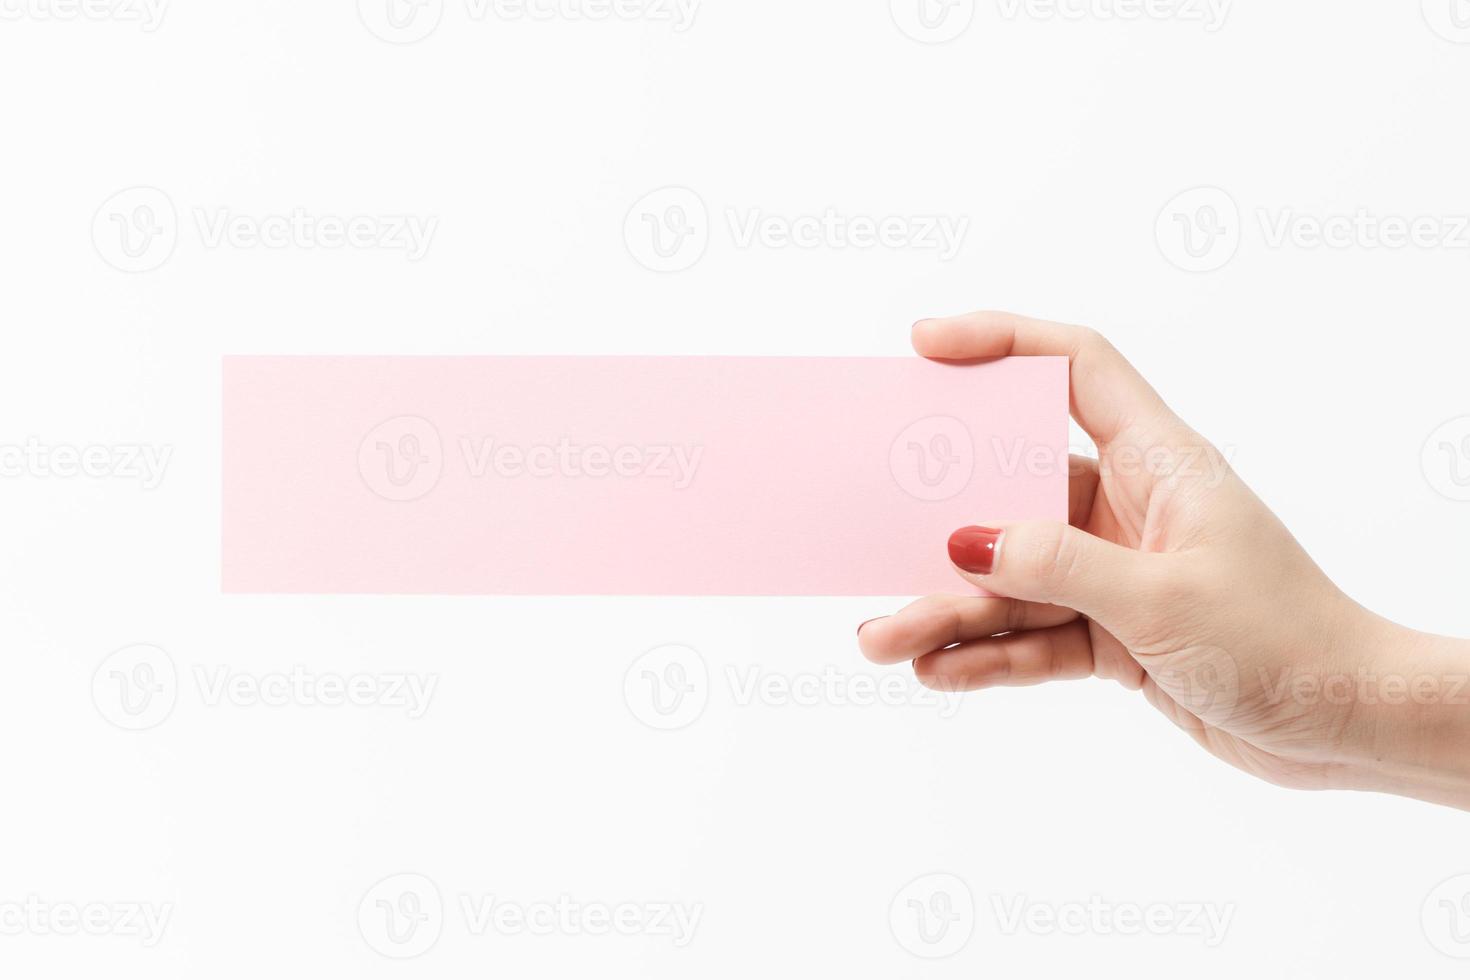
pixel 628 475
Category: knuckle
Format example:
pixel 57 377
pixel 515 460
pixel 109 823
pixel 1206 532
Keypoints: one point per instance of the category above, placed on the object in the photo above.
pixel 1016 616
pixel 1054 557
pixel 1092 341
pixel 939 621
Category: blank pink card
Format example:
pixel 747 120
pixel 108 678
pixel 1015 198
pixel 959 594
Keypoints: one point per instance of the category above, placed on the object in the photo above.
pixel 629 475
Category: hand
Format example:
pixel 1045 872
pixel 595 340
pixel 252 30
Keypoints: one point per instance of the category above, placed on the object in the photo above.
pixel 1173 578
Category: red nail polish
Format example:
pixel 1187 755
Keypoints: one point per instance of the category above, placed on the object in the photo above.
pixel 973 549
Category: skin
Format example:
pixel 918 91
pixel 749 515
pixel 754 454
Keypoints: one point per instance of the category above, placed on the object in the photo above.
pixel 1172 578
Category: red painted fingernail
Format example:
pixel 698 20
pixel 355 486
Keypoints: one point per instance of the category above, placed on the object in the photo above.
pixel 973 549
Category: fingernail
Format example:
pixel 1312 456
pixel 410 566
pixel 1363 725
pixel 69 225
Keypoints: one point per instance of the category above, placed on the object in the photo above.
pixel 973 549
pixel 866 622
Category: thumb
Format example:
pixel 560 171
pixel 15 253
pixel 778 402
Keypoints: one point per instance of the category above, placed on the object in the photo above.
pixel 1059 565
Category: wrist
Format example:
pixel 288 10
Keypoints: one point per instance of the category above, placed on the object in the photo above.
pixel 1410 730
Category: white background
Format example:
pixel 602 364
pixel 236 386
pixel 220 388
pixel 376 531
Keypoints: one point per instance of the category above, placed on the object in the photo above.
pixel 793 827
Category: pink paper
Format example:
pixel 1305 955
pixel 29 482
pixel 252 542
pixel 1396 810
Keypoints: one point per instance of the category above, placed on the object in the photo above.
pixel 628 475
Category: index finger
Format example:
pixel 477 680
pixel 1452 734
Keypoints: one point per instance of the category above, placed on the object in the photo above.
pixel 1108 394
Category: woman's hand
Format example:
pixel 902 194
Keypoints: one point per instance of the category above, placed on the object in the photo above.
pixel 1173 578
